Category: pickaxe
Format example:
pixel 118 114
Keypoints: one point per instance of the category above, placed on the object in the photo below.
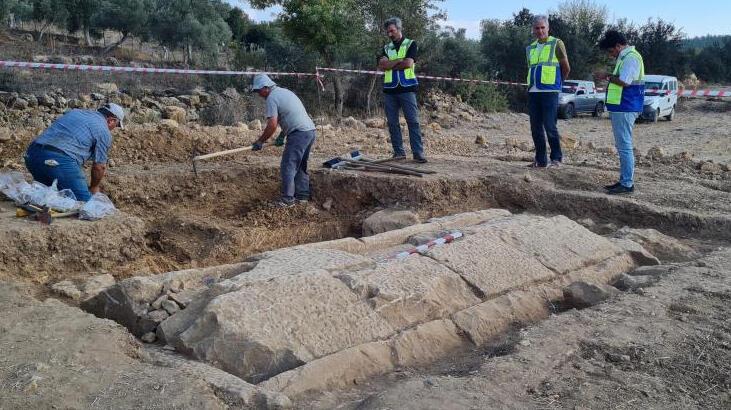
pixel 217 154
pixel 357 156
pixel 337 163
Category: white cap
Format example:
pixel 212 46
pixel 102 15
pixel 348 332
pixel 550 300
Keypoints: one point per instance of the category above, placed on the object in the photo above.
pixel 116 111
pixel 261 81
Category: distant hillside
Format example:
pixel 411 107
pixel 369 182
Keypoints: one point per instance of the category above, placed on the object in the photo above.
pixel 704 41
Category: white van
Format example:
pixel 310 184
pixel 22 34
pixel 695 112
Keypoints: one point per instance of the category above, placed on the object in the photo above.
pixel 661 96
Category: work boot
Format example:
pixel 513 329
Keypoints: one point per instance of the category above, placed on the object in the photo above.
pixel 613 186
pixel 420 160
pixel 282 203
pixel 535 164
pixel 554 164
pixel 398 156
pixel 621 189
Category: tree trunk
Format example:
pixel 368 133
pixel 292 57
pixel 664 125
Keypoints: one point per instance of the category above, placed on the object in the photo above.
pixel 125 36
pixel 42 32
pixel 339 94
pixel 371 86
pixel 189 54
pixel 87 37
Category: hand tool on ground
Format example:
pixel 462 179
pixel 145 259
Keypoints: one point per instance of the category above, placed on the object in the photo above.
pixel 338 162
pixel 357 156
pixel 42 214
pixel 218 154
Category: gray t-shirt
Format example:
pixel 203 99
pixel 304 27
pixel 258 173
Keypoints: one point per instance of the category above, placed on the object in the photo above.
pixel 288 109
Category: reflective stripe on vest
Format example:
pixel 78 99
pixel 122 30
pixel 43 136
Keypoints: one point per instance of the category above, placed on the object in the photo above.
pixel 631 98
pixel 543 68
pixel 407 77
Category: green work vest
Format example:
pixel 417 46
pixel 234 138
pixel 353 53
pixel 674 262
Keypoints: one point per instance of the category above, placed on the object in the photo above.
pixel 392 78
pixel 543 68
pixel 630 98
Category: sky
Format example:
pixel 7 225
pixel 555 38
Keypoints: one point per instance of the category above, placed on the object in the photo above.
pixel 704 17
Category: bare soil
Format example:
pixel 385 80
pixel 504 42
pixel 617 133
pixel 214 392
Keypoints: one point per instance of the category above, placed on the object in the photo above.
pixel 676 334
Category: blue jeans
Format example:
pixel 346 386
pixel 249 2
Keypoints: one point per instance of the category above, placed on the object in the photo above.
pixel 68 173
pixel 622 125
pixel 407 102
pixel 543 111
pixel 295 180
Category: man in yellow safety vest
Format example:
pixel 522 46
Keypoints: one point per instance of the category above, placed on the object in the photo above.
pixel 625 97
pixel 548 66
pixel 399 88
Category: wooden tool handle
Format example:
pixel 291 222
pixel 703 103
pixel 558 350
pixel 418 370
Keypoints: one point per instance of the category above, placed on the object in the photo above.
pixel 220 153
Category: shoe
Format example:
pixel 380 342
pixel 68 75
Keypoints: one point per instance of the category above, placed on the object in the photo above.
pixel 554 164
pixel 420 160
pixel 621 189
pixel 536 165
pixel 283 204
pixel 398 156
pixel 607 187
pixel 302 200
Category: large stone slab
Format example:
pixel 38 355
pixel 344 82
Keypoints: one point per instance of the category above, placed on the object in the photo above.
pixel 427 343
pixel 466 219
pixel 489 319
pixel 489 264
pixel 666 248
pixel 267 327
pixel 412 290
pixel 559 243
pixel 346 368
pixel 291 261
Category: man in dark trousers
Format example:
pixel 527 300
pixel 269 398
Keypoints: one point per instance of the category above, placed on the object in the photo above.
pixel 548 66
pixel 284 109
pixel 399 87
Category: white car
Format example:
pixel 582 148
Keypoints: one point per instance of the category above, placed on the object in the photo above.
pixel 661 96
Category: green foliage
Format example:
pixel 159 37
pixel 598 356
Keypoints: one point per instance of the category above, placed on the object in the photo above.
pixel 503 46
pixel 699 43
pixel 326 26
pixel 660 44
pixel 483 97
pixel 129 17
pixel 190 24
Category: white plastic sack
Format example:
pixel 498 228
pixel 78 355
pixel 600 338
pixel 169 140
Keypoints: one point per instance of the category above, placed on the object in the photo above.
pixel 11 184
pixel 39 194
pixel 98 207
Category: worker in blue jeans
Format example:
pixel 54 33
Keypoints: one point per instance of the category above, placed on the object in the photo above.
pixel 399 89
pixel 625 99
pixel 59 153
pixel 284 109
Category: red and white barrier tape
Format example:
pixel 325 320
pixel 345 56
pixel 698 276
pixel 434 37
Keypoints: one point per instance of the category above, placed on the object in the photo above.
pixel 425 247
pixel 144 70
pixel 426 77
pixel 316 74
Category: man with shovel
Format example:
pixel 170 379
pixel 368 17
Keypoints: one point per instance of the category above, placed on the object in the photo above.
pixel 284 109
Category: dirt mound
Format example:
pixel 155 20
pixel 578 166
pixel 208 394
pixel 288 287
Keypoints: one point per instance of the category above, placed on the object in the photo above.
pixel 67 248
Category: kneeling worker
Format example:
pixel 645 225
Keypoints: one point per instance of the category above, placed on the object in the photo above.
pixel 59 152
pixel 284 109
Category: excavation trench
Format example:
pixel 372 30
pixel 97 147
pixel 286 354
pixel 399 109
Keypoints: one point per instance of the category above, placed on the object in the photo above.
pixel 173 220
pixel 288 301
